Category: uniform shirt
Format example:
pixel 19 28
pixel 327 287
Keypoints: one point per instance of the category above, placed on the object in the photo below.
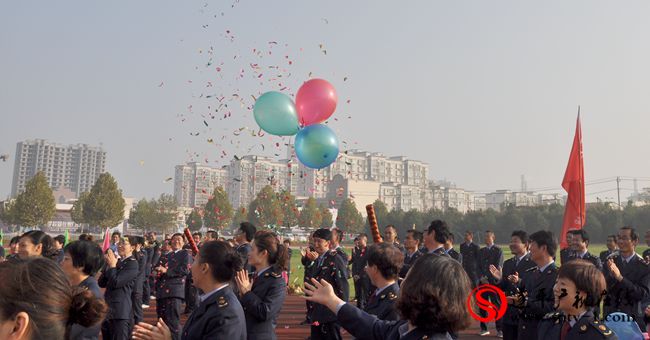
pixel 409 260
pixel 490 255
pixel 587 256
pixel 262 304
pixel 382 302
pixel 470 253
pixel 585 326
pixel 538 285
pixel 628 295
pixel 218 316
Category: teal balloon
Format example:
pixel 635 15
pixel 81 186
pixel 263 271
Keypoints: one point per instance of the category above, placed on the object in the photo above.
pixel 316 146
pixel 276 114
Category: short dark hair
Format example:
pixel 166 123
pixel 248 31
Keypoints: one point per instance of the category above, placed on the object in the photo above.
pixel 390 226
pixel 248 229
pixel 337 233
pixel 435 303
pixel 38 237
pixel 416 234
pixel 287 241
pixel 212 234
pixel 116 233
pixel 197 233
pixel 60 239
pixel 14 240
pixel 587 278
pixel 633 235
pixel 387 258
pixel 362 235
pixel 469 232
pixel 441 229
pixel 545 238
pixel 451 237
pixel 223 260
pixel 86 237
pixel 522 235
pixel 323 233
pixel 615 237
pixel 87 255
pixel 178 234
pixel 582 233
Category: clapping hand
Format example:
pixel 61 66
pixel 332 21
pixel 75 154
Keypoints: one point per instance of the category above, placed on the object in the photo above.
pixel 496 273
pixel 243 283
pixel 145 331
pixel 111 259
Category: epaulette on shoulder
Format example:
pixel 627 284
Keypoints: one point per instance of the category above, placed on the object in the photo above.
pixel 600 327
pixel 552 316
pixel 222 302
pixel 274 274
pixel 391 296
pixel 530 269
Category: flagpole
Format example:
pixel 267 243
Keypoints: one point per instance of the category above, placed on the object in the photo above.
pixel 582 170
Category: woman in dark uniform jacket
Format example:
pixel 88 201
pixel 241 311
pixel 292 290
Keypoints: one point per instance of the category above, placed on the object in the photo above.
pixel 219 315
pixel 578 290
pixel 418 303
pixel 81 261
pixel 262 298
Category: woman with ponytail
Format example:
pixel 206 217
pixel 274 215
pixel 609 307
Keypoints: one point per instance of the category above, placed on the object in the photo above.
pixel 36 243
pixel 219 315
pixel 38 302
pixel 262 298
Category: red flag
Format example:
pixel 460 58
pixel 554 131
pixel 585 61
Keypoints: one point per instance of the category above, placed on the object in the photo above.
pixel 574 184
pixel 107 240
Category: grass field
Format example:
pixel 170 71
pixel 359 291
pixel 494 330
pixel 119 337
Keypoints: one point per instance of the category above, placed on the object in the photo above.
pixel 297 270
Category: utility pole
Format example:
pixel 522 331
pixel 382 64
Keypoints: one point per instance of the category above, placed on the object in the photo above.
pixel 618 190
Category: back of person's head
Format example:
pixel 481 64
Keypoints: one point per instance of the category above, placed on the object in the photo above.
pixel 435 302
pixel 441 229
pixel 545 238
pixel 587 278
pixel 387 258
pixel 41 241
pixel 86 237
pixel 60 239
pixel 223 260
pixel 269 241
pixel 87 255
pixel 248 229
pixel 37 292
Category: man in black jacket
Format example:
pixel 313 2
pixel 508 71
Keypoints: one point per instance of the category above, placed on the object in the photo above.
pixel 612 247
pixel 243 236
pixel 412 243
pixel 580 239
pixel 170 290
pixel 359 275
pixel 449 248
pixel 490 255
pixel 470 252
pixel 384 263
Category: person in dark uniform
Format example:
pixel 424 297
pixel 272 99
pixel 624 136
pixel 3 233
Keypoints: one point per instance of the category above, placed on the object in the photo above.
pixel 156 252
pixel 119 279
pixel 418 303
pixel 390 236
pixel 149 252
pixel 57 245
pixel 138 289
pixel 13 249
pixel 219 314
pixel 579 247
pixel 490 255
pixel 536 297
pixel 508 279
pixel 412 243
pixel 578 292
pixel 646 253
pixel 612 248
pixel 628 278
pixel 384 263
pixel 329 267
pixel 359 275
pixel 243 237
pixel 449 248
pixel 191 293
pixel 470 252
pixel 308 260
pixel 566 253
pixel 435 238
pixel 81 261
pixel 335 245
pixel 262 298
pixel 287 244
pixel 171 285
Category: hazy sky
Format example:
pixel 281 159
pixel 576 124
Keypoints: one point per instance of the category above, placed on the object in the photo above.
pixel 484 91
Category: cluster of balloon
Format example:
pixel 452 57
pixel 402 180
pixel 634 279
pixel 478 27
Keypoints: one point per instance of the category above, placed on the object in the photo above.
pixel 316 144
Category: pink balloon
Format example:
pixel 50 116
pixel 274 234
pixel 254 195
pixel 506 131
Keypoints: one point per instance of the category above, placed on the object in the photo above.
pixel 315 102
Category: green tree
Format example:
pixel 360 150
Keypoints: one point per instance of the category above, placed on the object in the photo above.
pixel 218 213
pixel 142 215
pixel 240 216
pixel 165 208
pixel 35 206
pixel 77 212
pixel 265 209
pixel 7 213
pixel 105 205
pixel 289 209
pixel 348 218
pixel 194 220
pixel 326 217
pixel 381 212
pixel 310 217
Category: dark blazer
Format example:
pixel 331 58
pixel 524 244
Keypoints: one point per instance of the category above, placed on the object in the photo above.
pixel 408 262
pixel 490 256
pixel 539 301
pixel 627 296
pixel 220 316
pixel 646 254
pixel 263 303
pixel 119 282
pixel 142 264
pixel 383 305
pixel 78 332
pixel 595 260
pixel 509 268
pixel 172 283
pixel 455 255
pixel 149 253
pixel 470 254
pixel 331 269
pixel 359 262
pixel 365 326
pixel 587 327
pixel 243 250
pixel 605 254
pixel 155 255
pixel 565 254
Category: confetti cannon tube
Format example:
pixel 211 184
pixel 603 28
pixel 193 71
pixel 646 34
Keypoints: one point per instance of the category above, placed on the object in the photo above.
pixel 372 221
pixel 188 235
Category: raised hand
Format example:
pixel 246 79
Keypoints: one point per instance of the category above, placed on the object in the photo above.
pixel 145 331
pixel 243 283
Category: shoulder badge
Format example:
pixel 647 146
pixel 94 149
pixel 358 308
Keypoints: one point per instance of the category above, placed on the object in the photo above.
pixel 276 275
pixel 392 296
pixel 531 269
pixel 552 315
pixel 222 302
pixel 602 329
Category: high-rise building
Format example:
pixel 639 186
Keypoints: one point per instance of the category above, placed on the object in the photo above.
pixel 194 183
pixel 75 167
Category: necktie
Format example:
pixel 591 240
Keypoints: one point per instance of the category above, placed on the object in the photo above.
pixel 516 262
pixel 254 277
pixel 565 330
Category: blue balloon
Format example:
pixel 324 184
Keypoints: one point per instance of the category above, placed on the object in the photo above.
pixel 276 114
pixel 316 146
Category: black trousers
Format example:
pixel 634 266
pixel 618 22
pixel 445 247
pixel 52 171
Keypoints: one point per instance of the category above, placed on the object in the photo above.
pixel 146 290
pixel 169 309
pixel 116 329
pixel 510 332
pixel 191 296
pixel 136 297
pixel 362 291
pixel 326 331
pixel 495 300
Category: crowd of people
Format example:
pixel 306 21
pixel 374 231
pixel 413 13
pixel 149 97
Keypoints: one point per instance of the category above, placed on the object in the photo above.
pixel 235 289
